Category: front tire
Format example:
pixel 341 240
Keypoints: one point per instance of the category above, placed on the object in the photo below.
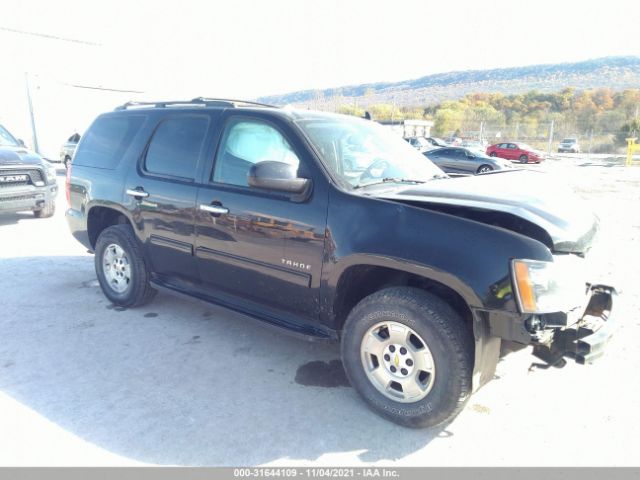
pixel 47 211
pixel 493 154
pixel 121 269
pixel 409 355
pixel 484 169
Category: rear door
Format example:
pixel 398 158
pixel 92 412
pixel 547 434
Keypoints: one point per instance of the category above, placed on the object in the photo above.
pixel 162 192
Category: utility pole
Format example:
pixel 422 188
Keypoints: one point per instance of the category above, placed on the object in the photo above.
pixel 590 141
pixel 550 138
pixel 34 134
pixel 481 131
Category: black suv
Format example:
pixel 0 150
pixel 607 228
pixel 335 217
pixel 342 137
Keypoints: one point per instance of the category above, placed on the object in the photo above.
pixel 27 182
pixel 332 227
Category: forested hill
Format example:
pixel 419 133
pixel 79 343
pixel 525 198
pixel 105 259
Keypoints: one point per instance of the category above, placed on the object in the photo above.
pixel 616 73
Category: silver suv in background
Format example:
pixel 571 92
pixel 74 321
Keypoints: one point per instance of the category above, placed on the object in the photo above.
pixel 569 145
pixel 69 149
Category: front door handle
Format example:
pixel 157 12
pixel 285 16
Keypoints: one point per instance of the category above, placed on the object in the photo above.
pixel 137 193
pixel 214 209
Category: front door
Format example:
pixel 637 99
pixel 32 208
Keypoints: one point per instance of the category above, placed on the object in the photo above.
pixel 260 248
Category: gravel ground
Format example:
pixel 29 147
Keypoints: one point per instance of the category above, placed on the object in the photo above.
pixel 184 383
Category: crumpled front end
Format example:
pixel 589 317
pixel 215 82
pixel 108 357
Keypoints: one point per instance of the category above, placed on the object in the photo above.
pixel 586 339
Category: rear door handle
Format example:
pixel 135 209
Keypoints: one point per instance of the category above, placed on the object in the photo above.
pixel 137 193
pixel 214 209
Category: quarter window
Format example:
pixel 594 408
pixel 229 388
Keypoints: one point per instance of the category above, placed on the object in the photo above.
pixel 107 140
pixel 176 146
pixel 245 143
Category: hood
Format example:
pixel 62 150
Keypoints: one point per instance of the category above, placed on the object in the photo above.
pixel 531 203
pixel 18 156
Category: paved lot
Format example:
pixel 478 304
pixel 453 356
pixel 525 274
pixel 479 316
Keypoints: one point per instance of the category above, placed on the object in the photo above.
pixel 184 383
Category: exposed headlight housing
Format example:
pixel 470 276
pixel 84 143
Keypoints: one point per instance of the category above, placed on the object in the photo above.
pixel 547 287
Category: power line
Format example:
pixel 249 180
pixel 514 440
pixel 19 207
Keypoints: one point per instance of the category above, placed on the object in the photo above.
pixel 50 37
pixel 89 87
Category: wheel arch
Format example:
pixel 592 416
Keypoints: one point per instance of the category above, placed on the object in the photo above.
pixel 100 217
pixel 363 275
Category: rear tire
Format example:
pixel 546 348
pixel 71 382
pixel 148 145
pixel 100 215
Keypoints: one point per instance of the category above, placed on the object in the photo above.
pixel 47 211
pixel 447 346
pixel 121 269
pixel 524 159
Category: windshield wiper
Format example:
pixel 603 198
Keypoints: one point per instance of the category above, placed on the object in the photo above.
pixel 390 180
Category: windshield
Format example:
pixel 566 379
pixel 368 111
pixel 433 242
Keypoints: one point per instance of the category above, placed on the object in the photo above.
pixel 361 152
pixel 6 139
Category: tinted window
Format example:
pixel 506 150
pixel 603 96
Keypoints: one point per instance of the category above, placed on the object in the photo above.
pixel 512 146
pixel 107 141
pixel 176 145
pixel 246 142
pixel 458 154
pixel 6 139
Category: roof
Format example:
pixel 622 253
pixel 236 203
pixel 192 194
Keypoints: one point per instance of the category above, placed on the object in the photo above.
pixel 196 102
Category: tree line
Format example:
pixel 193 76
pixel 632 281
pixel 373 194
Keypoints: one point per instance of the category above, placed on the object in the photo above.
pixel 601 112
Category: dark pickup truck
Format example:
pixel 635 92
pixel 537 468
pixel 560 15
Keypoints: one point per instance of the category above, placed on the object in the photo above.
pixel 27 182
pixel 331 227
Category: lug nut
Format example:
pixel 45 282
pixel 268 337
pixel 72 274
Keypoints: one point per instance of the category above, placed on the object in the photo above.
pixel 392 349
pixel 393 369
pixel 404 371
pixel 409 362
pixel 387 357
pixel 403 351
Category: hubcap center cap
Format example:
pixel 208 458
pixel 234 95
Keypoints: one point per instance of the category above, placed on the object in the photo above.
pixel 398 360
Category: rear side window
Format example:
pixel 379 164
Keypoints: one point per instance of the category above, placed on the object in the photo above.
pixel 176 146
pixel 107 141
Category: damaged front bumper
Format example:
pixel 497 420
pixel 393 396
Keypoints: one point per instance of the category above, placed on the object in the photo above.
pixel 584 341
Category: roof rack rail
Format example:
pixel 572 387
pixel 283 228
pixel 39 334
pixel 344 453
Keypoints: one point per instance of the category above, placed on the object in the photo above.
pixel 233 101
pixel 198 102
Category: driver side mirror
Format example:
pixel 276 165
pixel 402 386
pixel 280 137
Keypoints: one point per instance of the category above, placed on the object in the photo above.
pixel 278 176
pixel 21 143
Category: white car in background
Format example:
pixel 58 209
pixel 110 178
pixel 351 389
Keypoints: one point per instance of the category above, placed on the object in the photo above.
pixel 569 145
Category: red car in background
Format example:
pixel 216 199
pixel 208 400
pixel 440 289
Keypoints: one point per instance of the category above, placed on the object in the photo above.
pixel 517 152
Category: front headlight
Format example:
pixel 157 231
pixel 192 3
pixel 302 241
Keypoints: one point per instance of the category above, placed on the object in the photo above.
pixel 51 174
pixel 546 287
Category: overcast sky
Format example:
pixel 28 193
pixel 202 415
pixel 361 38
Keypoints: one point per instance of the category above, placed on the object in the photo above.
pixel 241 48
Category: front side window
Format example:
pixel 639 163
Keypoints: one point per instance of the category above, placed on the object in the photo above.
pixel 176 146
pixel 245 143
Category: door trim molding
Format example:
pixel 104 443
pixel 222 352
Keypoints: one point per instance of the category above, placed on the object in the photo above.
pixel 298 278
